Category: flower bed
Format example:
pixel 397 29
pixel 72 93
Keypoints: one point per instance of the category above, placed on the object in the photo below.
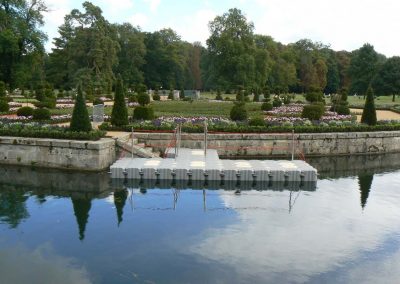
pixel 36 130
pixel 22 119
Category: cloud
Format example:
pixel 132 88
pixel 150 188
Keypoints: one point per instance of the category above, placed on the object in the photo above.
pixel 325 232
pixel 41 265
pixel 153 4
pixel 138 19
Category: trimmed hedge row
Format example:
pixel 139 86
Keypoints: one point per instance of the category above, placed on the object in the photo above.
pixel 52 133
pixel 257 129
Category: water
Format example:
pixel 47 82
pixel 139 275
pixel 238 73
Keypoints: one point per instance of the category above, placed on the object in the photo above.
pixel 62 227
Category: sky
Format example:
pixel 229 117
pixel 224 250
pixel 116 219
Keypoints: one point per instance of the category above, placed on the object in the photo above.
pixel 343 24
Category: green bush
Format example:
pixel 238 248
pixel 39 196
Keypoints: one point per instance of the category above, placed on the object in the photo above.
pixel 277 102
pixel 4 107
pixel 313 97
pixel 97 101
pixel 218 97
pixel 287 99
pixel 143 99
pixel 266 106
pixel 25 111
pixel 41 114
pixel 132 98
pixel 257 121
pixel 2 89
pixel 156 96
pixel 80 121
pixel 119 114
pixel 171 95
pixel 238 112
pixel 143 113
pixel 343 109
pixel 240 96
pixel 369 112
pixel 313 111
pixel 182 94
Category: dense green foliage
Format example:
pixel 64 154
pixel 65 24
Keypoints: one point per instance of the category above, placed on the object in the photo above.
pixel 369 112
pixel 313 111
pixel 387 81
pixel 41 114
pixel 238 112
pixel 143 99
pixel 4 107
pixel 80 117
pixel 119 114
pixel 258 129
pixel 266 106
pixel 54 132
pixel 143 113
pixel 25 111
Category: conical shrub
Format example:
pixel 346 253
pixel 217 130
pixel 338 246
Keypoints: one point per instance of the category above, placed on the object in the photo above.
pixel 119 114
pixel 80 121
pixel 369 112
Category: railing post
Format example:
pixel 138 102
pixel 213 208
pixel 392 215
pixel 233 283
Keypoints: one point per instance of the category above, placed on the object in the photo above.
pixel 132 144
pixel 292 144
pixel 205 137
pixel 176 144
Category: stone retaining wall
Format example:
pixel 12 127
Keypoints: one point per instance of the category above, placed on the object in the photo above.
pixel 280 145
pixel 55 153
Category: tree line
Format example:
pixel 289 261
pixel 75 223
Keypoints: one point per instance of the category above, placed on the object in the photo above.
pixel 92 52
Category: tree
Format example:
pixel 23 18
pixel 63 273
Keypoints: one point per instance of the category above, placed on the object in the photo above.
pixel 387 81
pixel 365 183
pixel 21 41
pixel 231 50
pixel 119 114
pixel 2 89
pixel 363 67
pixel 80 117
pixel 369 112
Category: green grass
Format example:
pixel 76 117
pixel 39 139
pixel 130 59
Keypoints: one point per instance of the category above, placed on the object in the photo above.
pixel 380 102
pixel 23 100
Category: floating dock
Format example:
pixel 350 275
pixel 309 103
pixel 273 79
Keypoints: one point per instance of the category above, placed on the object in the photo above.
pixel 196 166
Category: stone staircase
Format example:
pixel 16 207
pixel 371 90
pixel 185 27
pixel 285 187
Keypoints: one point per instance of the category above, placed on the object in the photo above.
pixel 138 150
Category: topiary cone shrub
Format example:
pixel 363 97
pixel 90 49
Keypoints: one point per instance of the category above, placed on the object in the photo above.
pixel 119 114
pixel 80 121
pixel 238 112
pixel 369 112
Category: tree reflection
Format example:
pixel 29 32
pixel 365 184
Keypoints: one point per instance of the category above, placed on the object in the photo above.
pixel 119 202
pixel 81 209
pixel 365 182
pixel 12 206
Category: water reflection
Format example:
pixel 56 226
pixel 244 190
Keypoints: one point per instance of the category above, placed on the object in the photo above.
pixel 12 205
pixel 81 210
pixel 365 182
pixel 120 197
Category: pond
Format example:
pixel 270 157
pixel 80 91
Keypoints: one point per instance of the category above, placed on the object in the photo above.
pixel 66 227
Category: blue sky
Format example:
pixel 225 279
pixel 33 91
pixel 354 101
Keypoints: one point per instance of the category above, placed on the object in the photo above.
pixel 344 24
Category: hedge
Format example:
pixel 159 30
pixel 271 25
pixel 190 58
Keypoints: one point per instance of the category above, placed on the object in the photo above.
pixel 19 130
pixel 257 129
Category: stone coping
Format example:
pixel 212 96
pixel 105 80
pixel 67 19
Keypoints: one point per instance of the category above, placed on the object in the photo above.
pixel 103 143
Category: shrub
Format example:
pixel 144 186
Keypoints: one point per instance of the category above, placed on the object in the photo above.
pixel 2 89
pixel 97 101
pixel 109 96
pixel 25 111
pixel 156 96
pixel 143 113
pixel 171 95
pixel 313 111
pixel 369 112
pixel 219 96
pixel 182 94
pixel 132 98
pixel 314 97
pixel 41 114
pixel 266 106
pixel 4 107
pixel 119 114
pixel 257 121
pixel 238 112
pixel 80 121
pixel 256 97
pixel 240 96
pixel 143 99
pixel 287 99
pixel 343 109
pixel 276 102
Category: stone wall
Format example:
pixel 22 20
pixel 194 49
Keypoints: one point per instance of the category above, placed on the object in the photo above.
pixel 280 145
pixel 55 153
